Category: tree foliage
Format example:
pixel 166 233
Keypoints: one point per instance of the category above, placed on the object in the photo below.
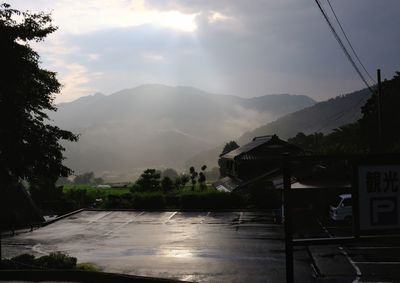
pixel 362 136
pixel 167 185
pixel 149 181
pixel 87 178
pixel 181 181
pixel 170 173
pixel 29 144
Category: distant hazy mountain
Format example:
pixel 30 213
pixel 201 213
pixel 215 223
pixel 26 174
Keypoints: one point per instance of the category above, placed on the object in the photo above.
pixel 321 117
pixel 156 125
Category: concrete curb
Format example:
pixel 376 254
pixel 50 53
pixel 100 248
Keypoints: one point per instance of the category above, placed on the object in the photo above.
pixel 63 216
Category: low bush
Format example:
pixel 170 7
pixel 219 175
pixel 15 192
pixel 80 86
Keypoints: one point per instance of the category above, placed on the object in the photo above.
pixel 86 266
pixel 55 260
pixel 153 200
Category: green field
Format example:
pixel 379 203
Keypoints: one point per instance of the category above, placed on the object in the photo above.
pixel 98 192
pixel 93 190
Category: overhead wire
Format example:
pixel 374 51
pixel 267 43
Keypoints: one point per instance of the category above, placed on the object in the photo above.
pixel 340 114
pixel 339 40
pixel 348 41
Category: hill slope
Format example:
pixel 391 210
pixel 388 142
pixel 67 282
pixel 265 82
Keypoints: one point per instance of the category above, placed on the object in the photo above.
pixel 157 125
pixel 321 117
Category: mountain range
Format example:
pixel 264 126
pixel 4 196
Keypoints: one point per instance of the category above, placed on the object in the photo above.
pixel 160 126
pixel 321 117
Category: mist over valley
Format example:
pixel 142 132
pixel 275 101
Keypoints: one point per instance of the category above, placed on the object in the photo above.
pixel 160 126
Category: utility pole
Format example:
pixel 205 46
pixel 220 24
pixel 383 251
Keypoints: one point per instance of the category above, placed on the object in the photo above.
pixel 287 210
pixel 380 136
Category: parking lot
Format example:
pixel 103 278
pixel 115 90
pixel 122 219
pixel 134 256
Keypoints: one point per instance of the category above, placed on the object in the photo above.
pixel 210 246
pixel 364 261
pixel 195 246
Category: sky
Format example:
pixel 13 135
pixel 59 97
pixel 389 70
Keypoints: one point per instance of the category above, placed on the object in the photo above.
pixel 237 47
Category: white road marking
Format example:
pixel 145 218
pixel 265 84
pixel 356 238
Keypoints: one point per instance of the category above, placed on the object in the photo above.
pixel 170 217
pixel 239 221
pixel 240 217
pixel 208 214
pixel 343 251
pixel 122 225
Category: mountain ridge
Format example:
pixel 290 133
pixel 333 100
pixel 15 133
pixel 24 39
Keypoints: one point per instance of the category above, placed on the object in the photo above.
pixel 337 111
pixel 157 125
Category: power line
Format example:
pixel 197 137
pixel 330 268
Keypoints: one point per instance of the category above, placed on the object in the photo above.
pixel 337 37
pixel 348 41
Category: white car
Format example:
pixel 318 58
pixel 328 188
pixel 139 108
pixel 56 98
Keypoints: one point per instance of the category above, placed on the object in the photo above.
pixel 342 208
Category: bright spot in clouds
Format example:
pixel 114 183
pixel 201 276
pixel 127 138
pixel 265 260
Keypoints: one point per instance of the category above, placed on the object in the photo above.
pixel 217 17
pixel 92 15
pixel 177 20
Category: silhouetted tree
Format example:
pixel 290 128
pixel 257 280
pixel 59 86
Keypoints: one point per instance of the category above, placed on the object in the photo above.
pixel 167 184
pixel 227 148
pixel 390 100
pixel 193 176
pixel 170 173
pixel 85 178
pixel 181 181
pixel 311 142
pixel 148 181
pixel 63 181
pixel 202 178
pixel 29 144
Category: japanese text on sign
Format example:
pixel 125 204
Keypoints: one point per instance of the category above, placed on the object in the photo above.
pixel 379 197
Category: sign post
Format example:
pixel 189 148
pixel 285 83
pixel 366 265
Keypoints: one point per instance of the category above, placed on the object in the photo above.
pixel 378 198
pixel 288 219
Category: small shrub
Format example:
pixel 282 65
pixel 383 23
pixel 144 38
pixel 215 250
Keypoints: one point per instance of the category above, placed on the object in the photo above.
pixel 86 266
pixel 56 260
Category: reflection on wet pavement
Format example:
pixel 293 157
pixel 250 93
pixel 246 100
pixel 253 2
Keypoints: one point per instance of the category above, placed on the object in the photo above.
pixel 195 246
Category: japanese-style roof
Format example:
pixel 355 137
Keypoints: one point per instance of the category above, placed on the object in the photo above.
pixel 271 141
pixel 229 183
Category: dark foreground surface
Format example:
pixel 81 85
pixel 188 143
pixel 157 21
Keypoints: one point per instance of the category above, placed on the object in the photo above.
pixel 191 246
pixel 208 247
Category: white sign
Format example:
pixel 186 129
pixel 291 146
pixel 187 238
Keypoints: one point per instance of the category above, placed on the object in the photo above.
pixel 379 197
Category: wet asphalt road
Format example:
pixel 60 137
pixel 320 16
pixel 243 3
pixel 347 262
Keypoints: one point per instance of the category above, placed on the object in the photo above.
pixel 190 246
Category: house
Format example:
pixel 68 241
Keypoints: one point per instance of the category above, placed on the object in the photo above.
pixel 258 160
